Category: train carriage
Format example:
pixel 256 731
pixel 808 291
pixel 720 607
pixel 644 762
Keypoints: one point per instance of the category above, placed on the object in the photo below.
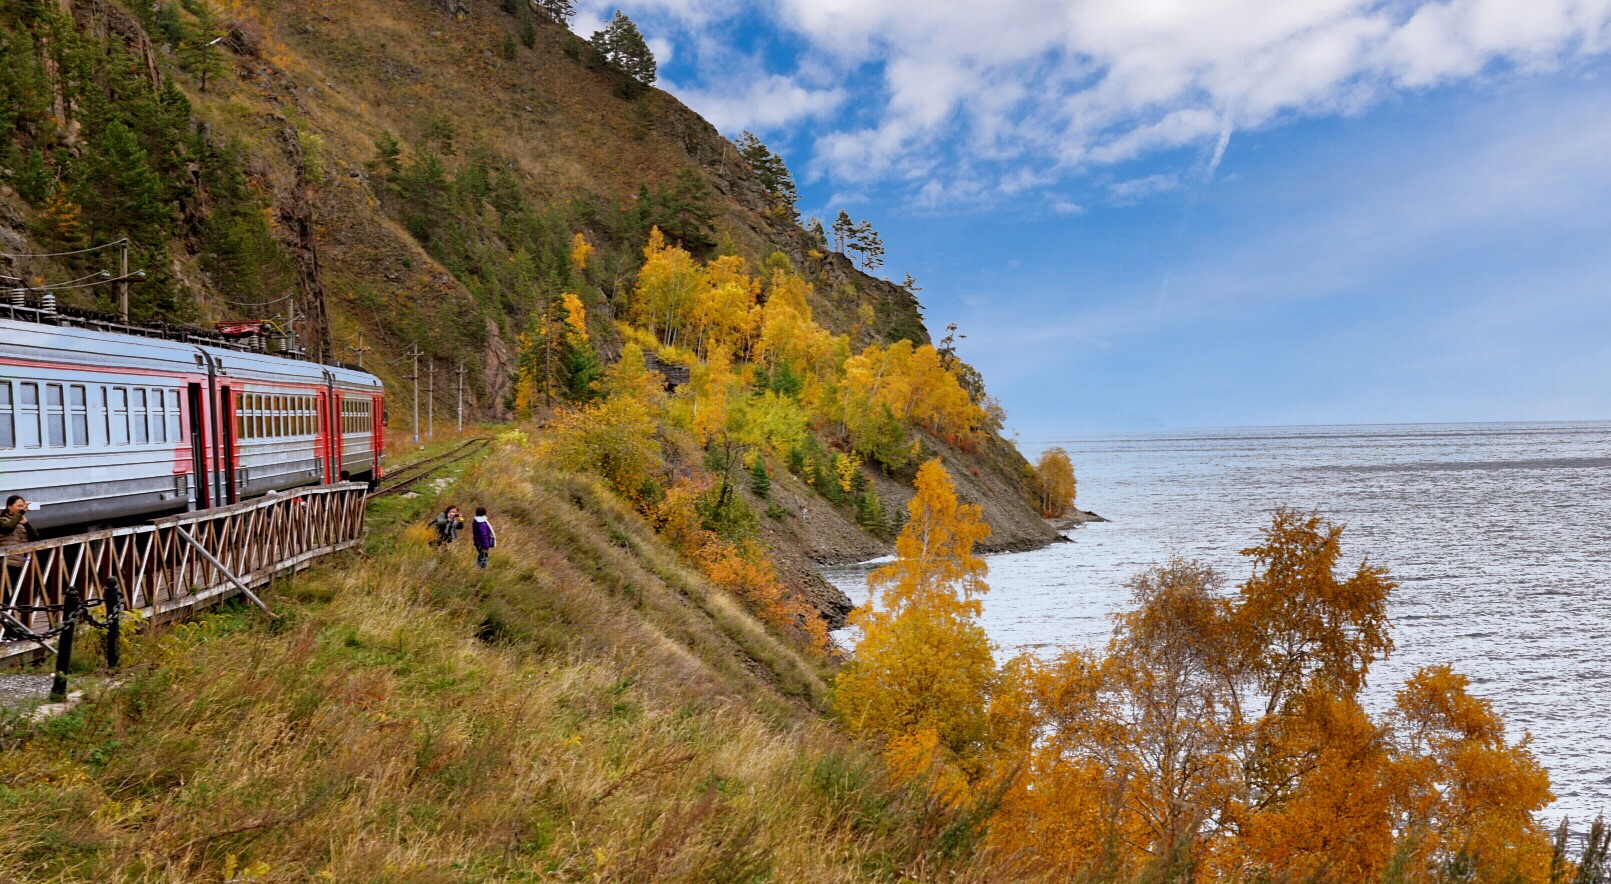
pixel 101 426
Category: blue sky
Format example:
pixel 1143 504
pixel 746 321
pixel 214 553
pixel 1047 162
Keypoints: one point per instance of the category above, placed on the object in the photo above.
pixel 1180 213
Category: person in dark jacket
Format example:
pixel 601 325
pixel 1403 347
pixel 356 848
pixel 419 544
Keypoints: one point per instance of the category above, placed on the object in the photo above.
pixel 448 525
pixel 15 531
pixel 483 535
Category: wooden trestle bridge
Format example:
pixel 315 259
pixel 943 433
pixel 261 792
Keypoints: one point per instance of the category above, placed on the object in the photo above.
pixel 172 566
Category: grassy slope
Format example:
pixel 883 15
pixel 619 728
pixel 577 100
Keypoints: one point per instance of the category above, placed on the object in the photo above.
pixel 585 709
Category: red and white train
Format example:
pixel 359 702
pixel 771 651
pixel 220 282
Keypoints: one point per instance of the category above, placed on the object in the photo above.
pixel 102 426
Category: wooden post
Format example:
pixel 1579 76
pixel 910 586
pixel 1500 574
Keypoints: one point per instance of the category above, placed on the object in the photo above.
pixel 114 620
pixel 64 651
pixel 460 373
pixel 123 278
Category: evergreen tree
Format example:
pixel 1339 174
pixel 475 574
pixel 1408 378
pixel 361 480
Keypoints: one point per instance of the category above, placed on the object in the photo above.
pixel 772 171
pixel 760 482
pixel 119 190
pixel 623 46
pixel 558 11
pixel 870 513
pixel 528 27
pixel 201 53
pixel 814 230
pixel 843 229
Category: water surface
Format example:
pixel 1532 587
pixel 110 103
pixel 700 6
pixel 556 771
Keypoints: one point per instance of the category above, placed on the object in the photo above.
pixel 1499 536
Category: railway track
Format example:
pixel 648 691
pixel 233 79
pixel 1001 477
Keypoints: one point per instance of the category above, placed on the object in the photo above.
pixel 405 477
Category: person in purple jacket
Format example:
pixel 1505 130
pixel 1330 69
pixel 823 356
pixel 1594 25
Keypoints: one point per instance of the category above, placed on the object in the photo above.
pixel 483 535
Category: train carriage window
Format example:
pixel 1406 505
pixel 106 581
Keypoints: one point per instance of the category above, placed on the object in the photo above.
pixel 106 417
pixel 78 414
pixel 120 416
pixel 55 417
pixel 28 415
pixel 137 413
pixel 8 425
pixel 159 426
pixel 176 427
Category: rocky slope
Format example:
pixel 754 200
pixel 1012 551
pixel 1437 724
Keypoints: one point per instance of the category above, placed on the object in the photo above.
pixel 503 151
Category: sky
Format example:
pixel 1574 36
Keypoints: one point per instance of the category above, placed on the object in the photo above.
pixel 1196 213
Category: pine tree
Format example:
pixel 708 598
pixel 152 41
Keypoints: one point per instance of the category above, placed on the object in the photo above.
pixel 558 11
pixel 772 171
pixel 201 53
pixel 760 482
pixel 814 230
pixel 843 230
pixel 623 46
pixel 870 513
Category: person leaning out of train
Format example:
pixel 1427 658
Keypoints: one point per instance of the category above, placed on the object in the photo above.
pixel 448 525
pixel 483 535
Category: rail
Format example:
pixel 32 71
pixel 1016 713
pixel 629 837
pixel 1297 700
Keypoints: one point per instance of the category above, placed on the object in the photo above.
pixel 177 564
pixel 403 478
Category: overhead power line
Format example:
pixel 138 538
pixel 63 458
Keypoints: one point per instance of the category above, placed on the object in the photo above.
pixel 98 248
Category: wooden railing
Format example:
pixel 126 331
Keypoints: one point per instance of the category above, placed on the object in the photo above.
pixel 177 564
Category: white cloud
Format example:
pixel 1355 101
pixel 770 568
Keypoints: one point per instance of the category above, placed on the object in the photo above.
pixel 1067 85
pixel 1124 193
pixel 1094 82
pixel 762 104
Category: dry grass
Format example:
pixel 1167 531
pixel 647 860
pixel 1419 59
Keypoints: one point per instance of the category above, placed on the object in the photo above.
pixel 584 709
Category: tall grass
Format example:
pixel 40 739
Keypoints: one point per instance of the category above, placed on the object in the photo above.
pixel 584 709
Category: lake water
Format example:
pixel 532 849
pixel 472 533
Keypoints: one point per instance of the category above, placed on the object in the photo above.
pixel 1499 536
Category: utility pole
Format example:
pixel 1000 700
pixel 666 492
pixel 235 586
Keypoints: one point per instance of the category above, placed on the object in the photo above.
pixel 460 373
pixel 430 402
pixel 123 278
pixel 360 349
pixel 414 354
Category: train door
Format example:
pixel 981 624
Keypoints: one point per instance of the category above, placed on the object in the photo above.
pixel 226 431
pixel 377 437
pixel 198 449
pixel 322 440
pixel 337 427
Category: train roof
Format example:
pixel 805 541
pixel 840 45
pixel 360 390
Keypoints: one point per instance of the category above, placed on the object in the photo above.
pixel 96 348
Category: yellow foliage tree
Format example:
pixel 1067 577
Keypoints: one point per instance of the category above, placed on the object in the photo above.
pixel 667 288
pixel 1223 737
pixel 1470 797
pixel 616 440
pixel 723 311
pixel 921 678
pixel 1054 482
pixel 914 384
pixel 630 378
pixel 581 250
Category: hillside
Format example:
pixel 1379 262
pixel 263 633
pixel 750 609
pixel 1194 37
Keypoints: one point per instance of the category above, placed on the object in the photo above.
pixel 402 176
pixel 585 709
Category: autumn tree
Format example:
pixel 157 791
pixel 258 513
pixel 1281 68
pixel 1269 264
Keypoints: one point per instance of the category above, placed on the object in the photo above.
pixel 1470 797
pixel 666 289
pixel 1222 736
pixel 921 677
pixel 1054 482
pixel 615 440
pixel 556 359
